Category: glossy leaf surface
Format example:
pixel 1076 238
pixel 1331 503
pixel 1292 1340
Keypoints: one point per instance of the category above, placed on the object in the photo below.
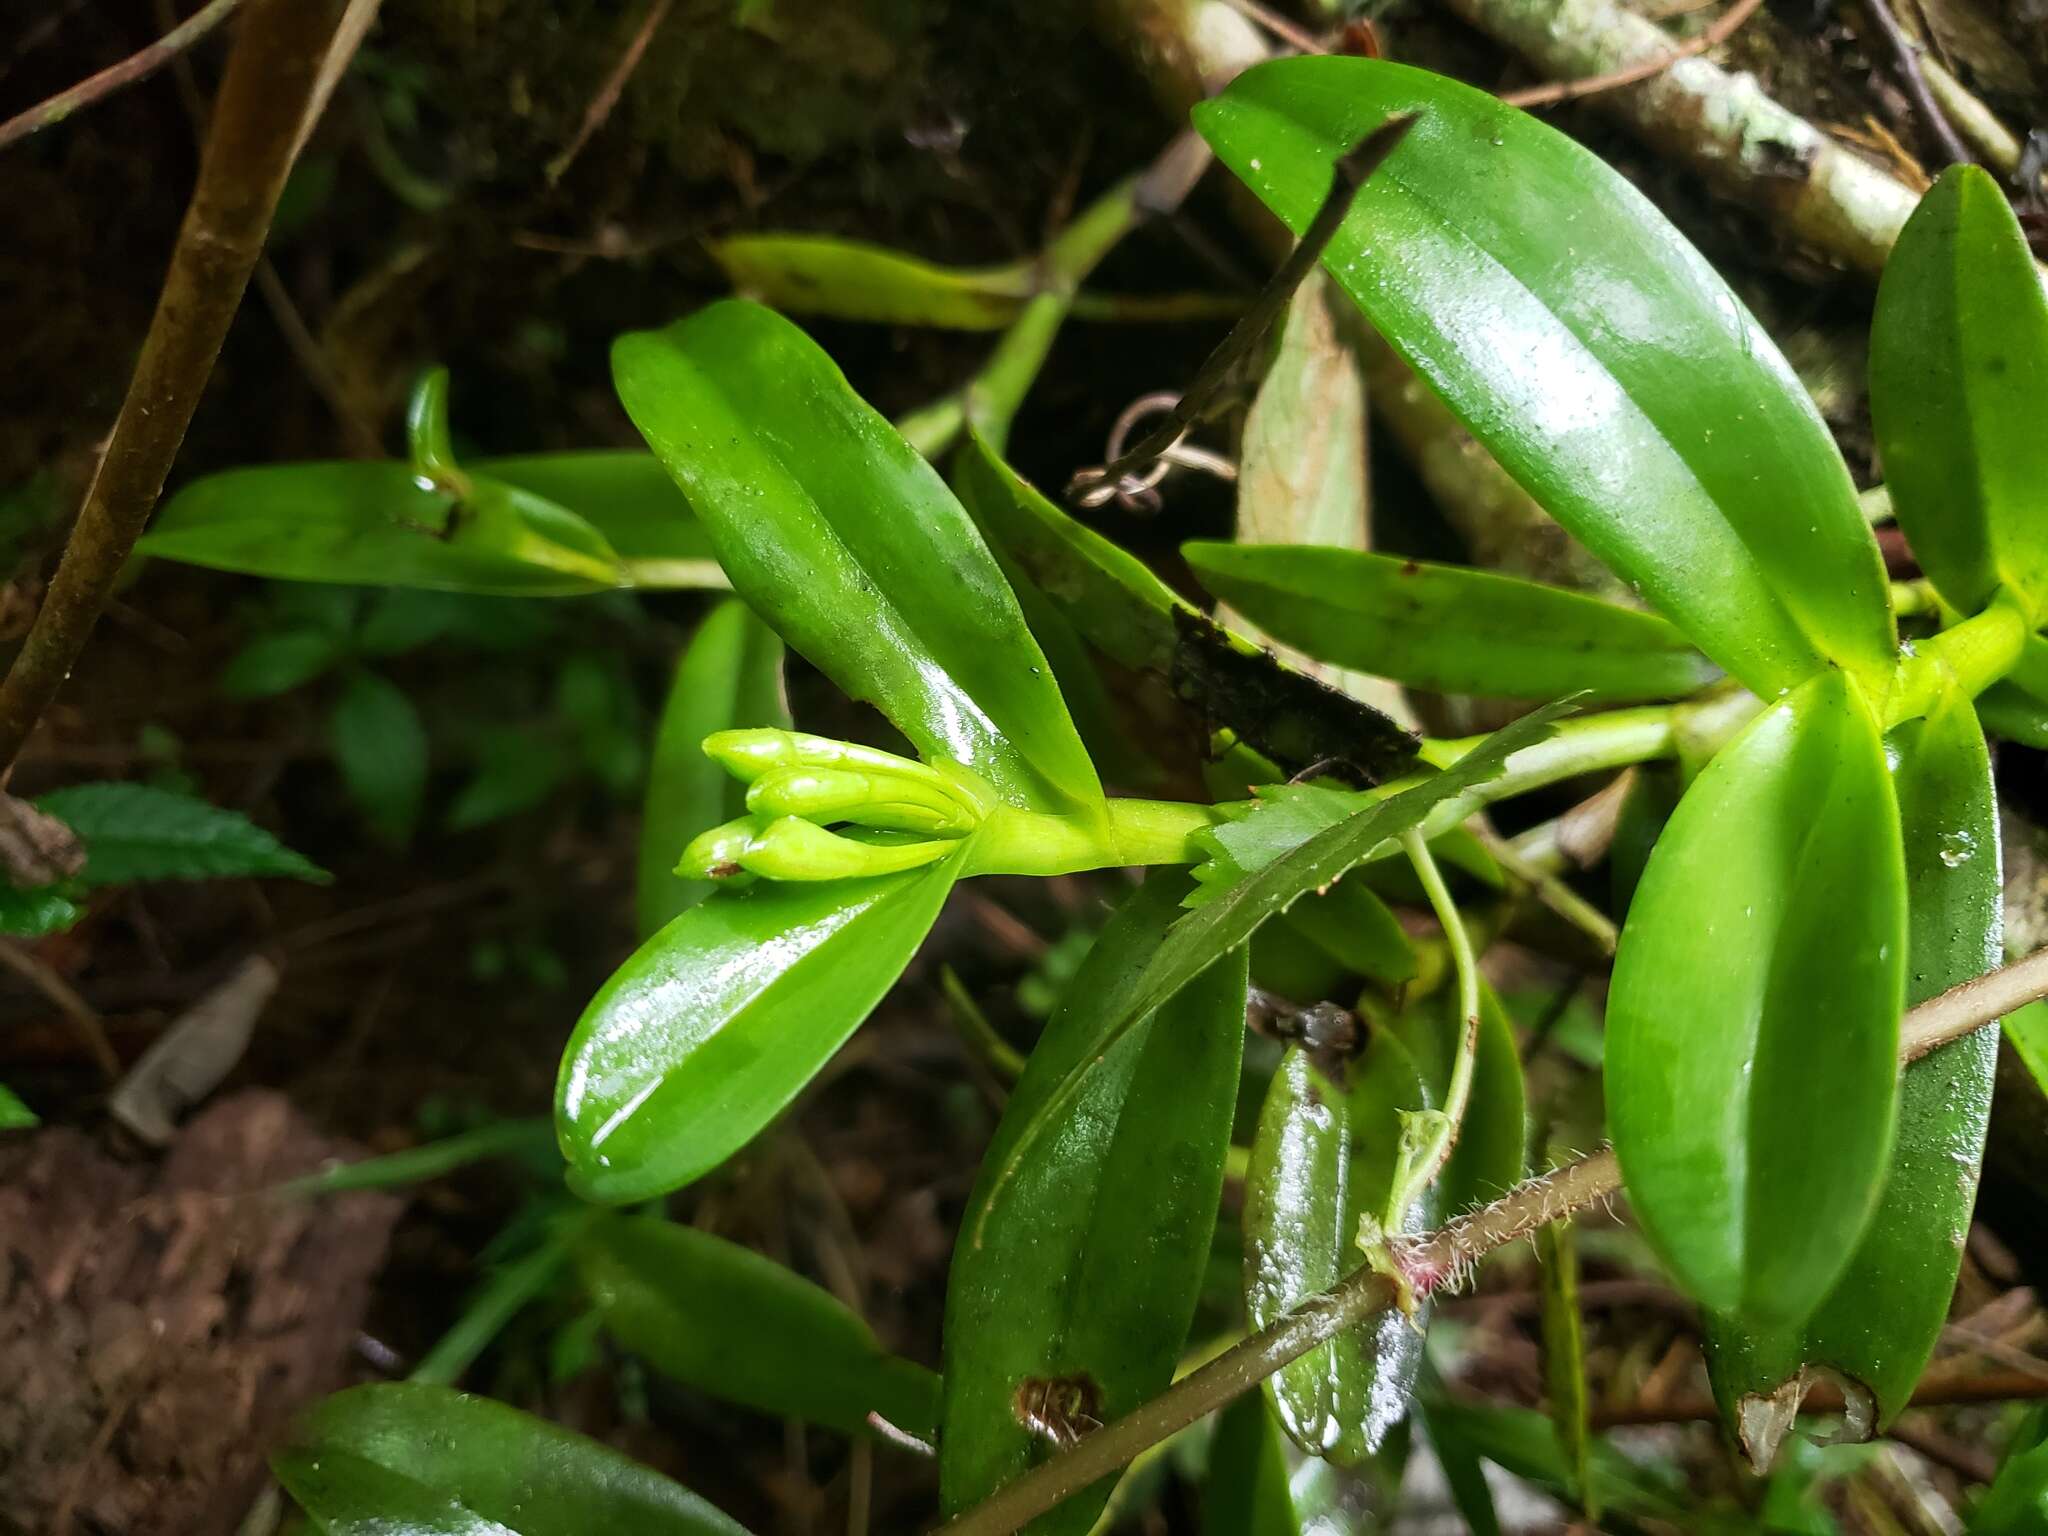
pixel 1322 1159
pixel 1121 608
pixel 719 1020
pixel 1246 1492
pixel 1753 1018
pixel 1590 348
pixel 1075 1280
pixel 1234 912
pixel 400 1459
pixel 137 832
pixel 854 280
pixel 1449 628
pixel 842 537
pixel 1491 1152
pixel 735 1324
pixel 537 526
pixel 1879 1324
pixel 1958 391
pixel 731 676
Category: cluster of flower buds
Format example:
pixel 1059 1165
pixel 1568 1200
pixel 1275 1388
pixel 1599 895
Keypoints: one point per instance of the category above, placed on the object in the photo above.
pixel 896 813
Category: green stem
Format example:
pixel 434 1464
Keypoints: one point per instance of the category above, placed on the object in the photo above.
pixel 1016 842
pixel 1965 659
pixel 501 1299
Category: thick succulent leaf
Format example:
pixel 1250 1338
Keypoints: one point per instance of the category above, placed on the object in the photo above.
pixel 1753 1018
pixel 838 533
pixel 1322 1159
pixel 137 832
pixel 737 1325
pixel 1228 919
pixel 1132 617
pixel 1564 1357
pixel 719 1020
pixel 400 1459
pixel 1878 1327
pixel 1590 348
pixel 1958 391
pixel 731 676
pixel 1449 628
pixel 535 526
pixel 1492 1150
pixel 1246 1492
pixel 1076 1278
pixel 854 280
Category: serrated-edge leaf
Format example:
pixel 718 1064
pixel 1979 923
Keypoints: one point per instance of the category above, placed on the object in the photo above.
pixel 1230 918
pixel 1090 1262
pixel 137 832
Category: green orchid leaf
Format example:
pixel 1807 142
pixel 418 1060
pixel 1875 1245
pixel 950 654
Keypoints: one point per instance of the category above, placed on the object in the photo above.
pixel 739 1326
pixel 15 1115
pixel 2027 1030
pixel 719 1020
pixel 135 832
pixel 1351 925
pixel 1878 1326
pixel 1246 1492
pixel 380 746
pixel 1070 1301
pixel 1958 391
pixel 730 677
pixel 402 1459
pixel 1131 616
pixel 277 663
pixel 1492 1149
pixel 1590 349
pixel 1448 628
pixel 1521 1441
pixel 2016 1503
pixel 854 280
pixel 1228 919
pixel 2014 714
pixel 1753 1018
pixel 842 537
pixel 1652 795
pixel 1564 1359
pixel 1470 1492
pixel 1323 1160
pixel 375 524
